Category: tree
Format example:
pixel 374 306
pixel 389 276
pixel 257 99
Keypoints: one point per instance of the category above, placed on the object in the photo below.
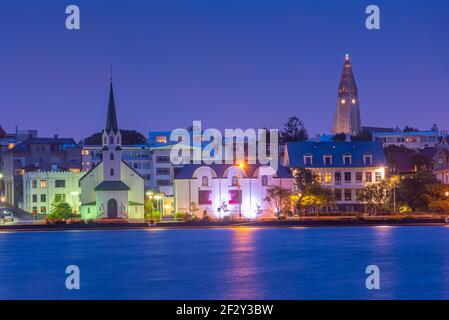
pixel 436 198
pixel 409 129
pixel 303 178
pixel 129 137
pixel 412 188
pixel 378 196
pixel 61 211
pixel 294 130
pixel 279 199
pixel 317 198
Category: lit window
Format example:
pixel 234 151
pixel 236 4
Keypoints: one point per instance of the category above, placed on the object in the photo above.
pixel 378 176
pixel 85 152
pixel 353 101
pixel 43 183
pixel 327 178
pixel 161 139
pixel 343 101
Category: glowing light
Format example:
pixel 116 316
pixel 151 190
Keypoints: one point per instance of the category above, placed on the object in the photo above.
pixel 447 193
pixel 343 101
pixel 347 57
pixel 353 101
pixel 242 165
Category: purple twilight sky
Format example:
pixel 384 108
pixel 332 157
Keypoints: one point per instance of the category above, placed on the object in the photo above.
pixel 233 63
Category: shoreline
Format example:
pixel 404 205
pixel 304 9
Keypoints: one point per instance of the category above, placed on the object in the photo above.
pixel 305 222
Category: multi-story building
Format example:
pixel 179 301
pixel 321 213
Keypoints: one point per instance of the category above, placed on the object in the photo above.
pixel 220 190
pixel 345 167
pixel 408 139
pixel 42 188
pixel 33 154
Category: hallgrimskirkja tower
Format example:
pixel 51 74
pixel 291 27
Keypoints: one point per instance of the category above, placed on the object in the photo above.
pixel 347 114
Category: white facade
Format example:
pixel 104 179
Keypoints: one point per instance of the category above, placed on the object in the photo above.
pixel 216 192
pixel 410 140
pixel 41 188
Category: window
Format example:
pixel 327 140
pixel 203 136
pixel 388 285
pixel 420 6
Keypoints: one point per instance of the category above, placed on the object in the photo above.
pixel 347 159
pixel 111 172
pixel 235 181
pixel 378 176
pixel 327 160
pixel 368 177
pixel 43 198
pixel 85 152
pixel 264 181
pixel 205 181
pixel 105 141
pixel 59 197
pixel 338 195
pixel 34 197
pixel 111 156
pixel 348 195
pixel 358 177
pixel 235 196
pixel 204 197
pixel 33 184
pixel 161 139
pixel 368 159
pixel 44 210
pixel 308 160
pixel 111 140
pixel 88 209
pixel 43 184
pixel 118 140
pixel 337 177
pixel 163 182
pixel 343 101
pixel 59 183
pixel 162 159
pixel 163 171
pixel 348 177
pixel 327 178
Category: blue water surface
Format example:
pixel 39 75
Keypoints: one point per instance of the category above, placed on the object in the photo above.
pixel 239 263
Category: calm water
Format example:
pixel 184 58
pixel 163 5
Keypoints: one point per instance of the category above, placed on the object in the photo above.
pixel 300 263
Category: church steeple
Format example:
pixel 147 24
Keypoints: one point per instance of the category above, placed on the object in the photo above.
pixel 347 114
pixel 111 119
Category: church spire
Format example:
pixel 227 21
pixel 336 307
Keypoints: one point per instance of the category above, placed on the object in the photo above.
pixel 347 86
pixel 111 120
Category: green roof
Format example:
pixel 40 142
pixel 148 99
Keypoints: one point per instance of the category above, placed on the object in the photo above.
pixel 132 203
pixel 112 185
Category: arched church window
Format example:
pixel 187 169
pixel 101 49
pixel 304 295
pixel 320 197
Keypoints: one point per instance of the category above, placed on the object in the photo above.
pixel 205 181
pixel 105 140
pixel 111 156
pixel 111 172
pixel 111 140
pixel 264 181
pixel 235 181
pixel 118 140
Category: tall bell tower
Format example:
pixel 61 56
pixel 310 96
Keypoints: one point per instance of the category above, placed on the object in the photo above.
pixel 347 114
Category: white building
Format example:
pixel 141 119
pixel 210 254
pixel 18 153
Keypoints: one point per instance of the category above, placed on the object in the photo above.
pixel 345 167
pixel 408 139
pixel 42 188
pixel 215 189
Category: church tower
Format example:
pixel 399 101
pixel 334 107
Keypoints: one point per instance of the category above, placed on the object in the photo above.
pixel 347 114
pixel 112 143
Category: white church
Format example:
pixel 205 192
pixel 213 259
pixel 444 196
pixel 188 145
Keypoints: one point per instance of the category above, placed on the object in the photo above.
pixel 112 189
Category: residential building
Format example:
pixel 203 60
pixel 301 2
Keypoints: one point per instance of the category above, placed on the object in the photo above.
pixel 344 167
pixel 215 190
pixel 347 114
pixel 442 174
pixel 408 139
pixel 33 154
pixel 42 188
pixel 112 189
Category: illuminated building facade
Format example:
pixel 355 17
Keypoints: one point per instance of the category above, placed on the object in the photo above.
pixel 344 167
pixel 215 190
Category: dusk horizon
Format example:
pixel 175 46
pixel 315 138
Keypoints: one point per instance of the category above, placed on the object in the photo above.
pixel 254 66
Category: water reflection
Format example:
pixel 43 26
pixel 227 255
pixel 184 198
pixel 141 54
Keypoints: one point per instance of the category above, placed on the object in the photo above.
pixel 242 278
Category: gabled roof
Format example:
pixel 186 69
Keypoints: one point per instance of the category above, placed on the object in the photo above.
pixel 112 185
pixel 357 149
pixel 25 145
pixel 187 171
